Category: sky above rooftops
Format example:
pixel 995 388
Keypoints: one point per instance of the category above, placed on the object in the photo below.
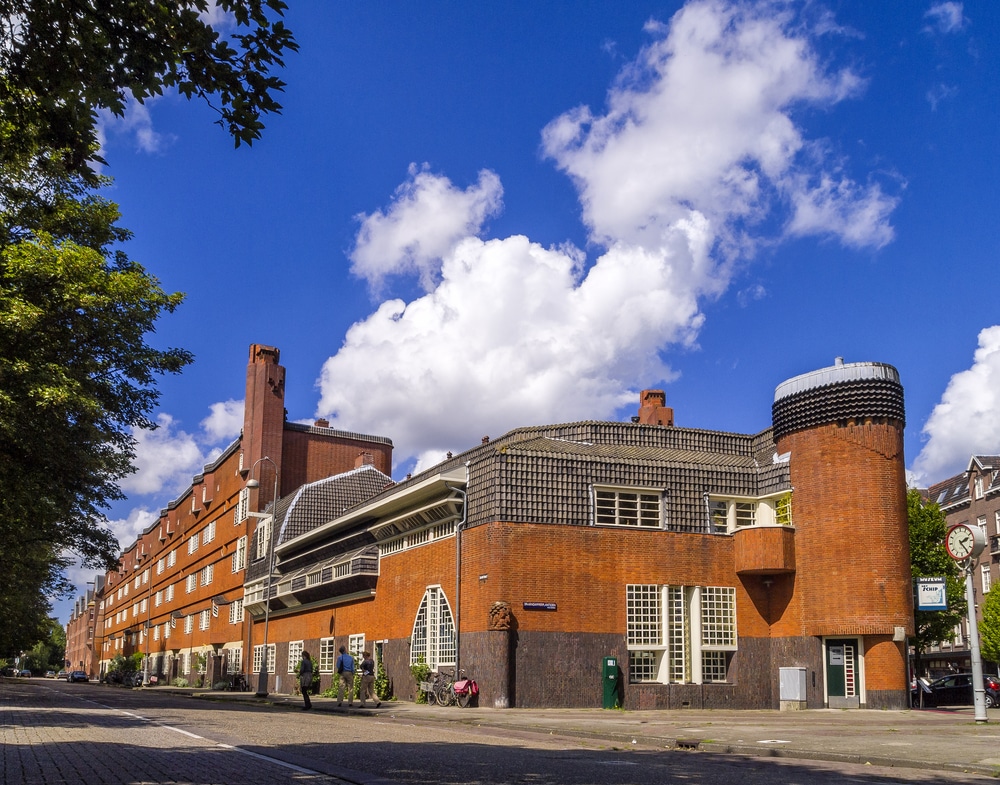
pixel 474 217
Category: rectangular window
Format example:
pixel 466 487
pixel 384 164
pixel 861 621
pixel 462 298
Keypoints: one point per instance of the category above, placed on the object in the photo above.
pixel 166 630
pixel 207 573
pixel 327 655
pixel 263 534
pixel 172 558
pixel 192 582
pixel 240 555
pixel 158 599
pixel 242 506
pixel 977 486
pixel 987 578
pixel 294 654
pixel 188 624
pixel 626 508
pixel 236 611
pixel 746 513
pixel 718 511
pixel 783 510
pixel 235 660
pixel 680 634
pixel 356 645
pixel 209 534
pixel 258 655
pixel 138 581
pixel 142 605
pixel 192 543
pixel 169 593
pixel 160 564
pixel 205 619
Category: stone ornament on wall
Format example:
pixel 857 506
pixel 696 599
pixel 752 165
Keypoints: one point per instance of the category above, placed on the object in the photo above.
pixel 500 615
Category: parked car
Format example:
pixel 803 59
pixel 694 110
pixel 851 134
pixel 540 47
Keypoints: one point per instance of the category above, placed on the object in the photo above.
pixel 50 674
pixel 26 673
pixel 955 689
pixel 77 676
pixel 62 674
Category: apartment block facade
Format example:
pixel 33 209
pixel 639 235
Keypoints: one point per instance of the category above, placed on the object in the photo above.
pixel 705 566
pixel 177 594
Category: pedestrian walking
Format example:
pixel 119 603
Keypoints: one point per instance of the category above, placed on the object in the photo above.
pixel 306 679
pixel 368 680
pixel 345 671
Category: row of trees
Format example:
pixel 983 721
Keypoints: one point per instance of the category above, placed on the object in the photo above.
pixel 77 371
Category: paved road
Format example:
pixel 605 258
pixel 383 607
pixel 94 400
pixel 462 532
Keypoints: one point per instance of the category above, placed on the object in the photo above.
pixel 53 732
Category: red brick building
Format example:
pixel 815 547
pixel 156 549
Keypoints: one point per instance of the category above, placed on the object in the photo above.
pixel 716 569
pixel 177 595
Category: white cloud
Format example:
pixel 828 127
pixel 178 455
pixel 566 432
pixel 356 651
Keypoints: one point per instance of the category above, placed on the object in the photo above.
pixel 945 17
pixel 698 146
pixel 136 124
pixel 967 420
pixel 168 457
pixel 225 421
pixel 427 218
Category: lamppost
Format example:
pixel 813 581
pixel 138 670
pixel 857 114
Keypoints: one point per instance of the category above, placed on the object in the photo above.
pixel 253 483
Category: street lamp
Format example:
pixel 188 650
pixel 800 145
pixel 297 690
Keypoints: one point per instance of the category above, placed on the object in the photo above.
pixel 252 483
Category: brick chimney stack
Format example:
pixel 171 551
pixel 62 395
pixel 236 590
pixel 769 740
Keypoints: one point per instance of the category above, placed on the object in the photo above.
pixel 653 409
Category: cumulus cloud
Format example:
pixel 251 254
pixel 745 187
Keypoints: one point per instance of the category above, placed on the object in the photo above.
pixel 135 124
pixel 428 217
pixel 945 17
pixel 168 456
pixel 967 420
pixel 697 148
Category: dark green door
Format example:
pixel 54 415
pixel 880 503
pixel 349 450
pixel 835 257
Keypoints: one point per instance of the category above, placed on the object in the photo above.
pixel 842 678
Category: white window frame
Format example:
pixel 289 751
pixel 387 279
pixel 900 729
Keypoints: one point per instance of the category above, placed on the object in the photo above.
pixel 242 506
pixel 263 536
pixel 208 534
pixel 356 645
pixel 207 574
pixel 977 487
pixel 433 635
pixel 327 654
pixel 295 649
pixel 192 544
pixel 204 619
pixel 236 611
pixel 172 558
pixel 638 508
pixel 240 554
pixel 169 595
pixel 188 624
pixel 680 634
pixel 257 654
pixel 235 660
pixel 191 582
pixel 986 578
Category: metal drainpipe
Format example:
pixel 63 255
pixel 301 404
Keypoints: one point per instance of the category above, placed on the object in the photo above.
pixel 458 568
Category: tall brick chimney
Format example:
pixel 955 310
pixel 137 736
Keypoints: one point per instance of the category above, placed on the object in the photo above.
pixel 263 418
pixel 653 409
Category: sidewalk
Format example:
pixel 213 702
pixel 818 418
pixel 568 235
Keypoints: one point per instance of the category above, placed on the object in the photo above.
pixel 945 740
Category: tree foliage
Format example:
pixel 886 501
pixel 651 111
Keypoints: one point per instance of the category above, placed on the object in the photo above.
pixel 61 61
pixel 929 559
pixel 76 376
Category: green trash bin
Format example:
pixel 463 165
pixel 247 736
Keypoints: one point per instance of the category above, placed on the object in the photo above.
pixel 611 683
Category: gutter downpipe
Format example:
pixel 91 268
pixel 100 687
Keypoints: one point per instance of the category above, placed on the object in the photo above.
pixel 458 568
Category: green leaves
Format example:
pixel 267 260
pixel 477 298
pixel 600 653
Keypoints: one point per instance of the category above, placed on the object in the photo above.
pixel 61 62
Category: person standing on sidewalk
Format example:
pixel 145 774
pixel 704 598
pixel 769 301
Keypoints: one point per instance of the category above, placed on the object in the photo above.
pixel 306 679
pixel 345 670
pixel 368 680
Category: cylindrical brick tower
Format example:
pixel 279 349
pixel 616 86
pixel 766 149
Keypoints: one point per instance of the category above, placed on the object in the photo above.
pixel 842 428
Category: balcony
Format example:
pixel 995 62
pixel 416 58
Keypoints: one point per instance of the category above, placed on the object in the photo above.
pixel 764 550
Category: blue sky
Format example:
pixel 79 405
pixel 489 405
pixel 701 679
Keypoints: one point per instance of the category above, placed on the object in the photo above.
pixel 471 217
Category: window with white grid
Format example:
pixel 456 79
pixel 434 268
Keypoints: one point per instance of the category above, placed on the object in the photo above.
pixel 614 507
pixel 242 506
pixel 294 654
pixel 433 636
pixel 160 564
pixel 236 611
pixel 680 634
pixel 172 558
pixel 208 534
pixel 192 543
pixel 987 578
pixel 188 624
pixel 644 615
pixel 258 654
pixel 327 654
pixel 192 582
pixel 207 573
pixel 235 660
pixel 204 619
pixel 169 593
pixel 262 537
pixel 356 645
pixel 240 554
pixel 678 625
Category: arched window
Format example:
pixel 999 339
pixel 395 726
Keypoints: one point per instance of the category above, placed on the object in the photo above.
pixel 433 637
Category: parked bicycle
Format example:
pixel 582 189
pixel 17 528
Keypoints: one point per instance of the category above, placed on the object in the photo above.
pixel 238 683
pixel 445 691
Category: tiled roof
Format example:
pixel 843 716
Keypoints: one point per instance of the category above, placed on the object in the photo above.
pixel 954 490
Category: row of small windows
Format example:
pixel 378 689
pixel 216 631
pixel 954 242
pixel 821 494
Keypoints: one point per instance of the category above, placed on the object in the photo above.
pixel 415 538
pixel 643 508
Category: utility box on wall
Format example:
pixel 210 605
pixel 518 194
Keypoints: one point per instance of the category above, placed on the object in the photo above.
pixel 611 683
pixel 792 684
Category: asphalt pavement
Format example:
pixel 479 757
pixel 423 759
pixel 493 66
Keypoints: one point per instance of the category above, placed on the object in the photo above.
pixel 940 739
